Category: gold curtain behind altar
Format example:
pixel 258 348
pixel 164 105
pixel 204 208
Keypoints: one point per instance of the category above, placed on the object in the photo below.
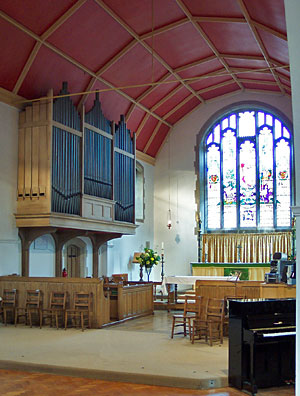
pixel 255 248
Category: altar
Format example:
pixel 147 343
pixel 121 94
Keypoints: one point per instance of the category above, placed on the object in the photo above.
pixel 249 271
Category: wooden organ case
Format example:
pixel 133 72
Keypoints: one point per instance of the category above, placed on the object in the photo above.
pixel 76 175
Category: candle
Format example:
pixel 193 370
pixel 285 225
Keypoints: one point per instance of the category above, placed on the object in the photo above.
pixel 162 246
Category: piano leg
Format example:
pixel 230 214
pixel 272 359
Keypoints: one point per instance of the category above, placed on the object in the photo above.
pixel 253 386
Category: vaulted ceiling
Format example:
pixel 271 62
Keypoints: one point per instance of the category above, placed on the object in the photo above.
pixel 154 61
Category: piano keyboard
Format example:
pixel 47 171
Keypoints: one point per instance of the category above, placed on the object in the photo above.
pixel 284 333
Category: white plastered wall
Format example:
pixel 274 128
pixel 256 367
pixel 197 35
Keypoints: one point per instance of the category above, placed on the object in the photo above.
pixel 10 261
pixel 175 167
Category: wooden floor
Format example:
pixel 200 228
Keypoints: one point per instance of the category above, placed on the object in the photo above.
pixel 19 383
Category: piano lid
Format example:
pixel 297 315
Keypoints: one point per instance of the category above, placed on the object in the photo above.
pixel 254 307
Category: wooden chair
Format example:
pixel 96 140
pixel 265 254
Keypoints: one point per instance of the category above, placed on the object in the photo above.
pixel 82 309
pixel 211 325
pixel 57 307
pixel 191 310
pixel 9 303
pixel 33 305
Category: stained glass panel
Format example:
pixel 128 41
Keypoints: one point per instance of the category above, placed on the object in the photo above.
pixel 247 185
pixel 213 187
pixel 229 179
pixel 247 124
pixel 233 182
pixel 283 183
pixel 266 178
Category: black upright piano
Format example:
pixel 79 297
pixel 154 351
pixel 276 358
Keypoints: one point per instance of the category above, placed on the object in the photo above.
pixel 261 343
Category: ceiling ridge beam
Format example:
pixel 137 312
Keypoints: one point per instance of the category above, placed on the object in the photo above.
pixel 259 42
pixel 44 36
pixel 154 133
pixel 208 41
pixel 76 63
pixel 145 45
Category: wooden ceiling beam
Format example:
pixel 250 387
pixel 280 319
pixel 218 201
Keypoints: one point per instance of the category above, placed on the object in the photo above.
pixel 77 64
pixel 174 109
pixel 259 42
pixel 142 124
pixel 43 37
pixel 263 82
pixel 219 19
pixel 265 28
pixel 194 64
pixel 154 133
pixel 164 29
pixel 216 86
pixel 145 45
pixel 105 67
pixel 207 40
pixel 243 57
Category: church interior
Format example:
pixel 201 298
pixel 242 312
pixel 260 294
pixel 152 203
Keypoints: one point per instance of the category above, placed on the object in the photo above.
pixel 149 179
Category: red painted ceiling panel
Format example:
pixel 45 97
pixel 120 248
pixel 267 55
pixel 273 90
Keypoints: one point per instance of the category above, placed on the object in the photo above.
pixel 273 88
pixel 158 140
pixel 203 68
pixel 182 40
pixel 220 91
pixel 270 13
pixel 185 109
pixel 36 15
pixel 276 47
pixel 148 129
pixel 165 12
pixel 49 71
pixel 256 76
pixel 173 101
pixel 231 38
pixel 247 63
pixel 133 69
pixel 90 36
pixel 11 54
pixel 214 8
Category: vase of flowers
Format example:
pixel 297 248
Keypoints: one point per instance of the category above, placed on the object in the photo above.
pixel 148 259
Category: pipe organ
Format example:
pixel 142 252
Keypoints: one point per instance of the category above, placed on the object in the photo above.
pixel 76 170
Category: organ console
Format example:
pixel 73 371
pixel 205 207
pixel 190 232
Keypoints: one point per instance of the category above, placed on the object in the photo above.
pixel 261 343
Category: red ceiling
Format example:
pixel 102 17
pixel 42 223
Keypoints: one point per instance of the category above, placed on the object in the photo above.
pixel 161 59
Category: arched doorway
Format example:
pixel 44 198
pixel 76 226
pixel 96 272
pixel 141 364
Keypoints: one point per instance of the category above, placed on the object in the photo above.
pixel 73 261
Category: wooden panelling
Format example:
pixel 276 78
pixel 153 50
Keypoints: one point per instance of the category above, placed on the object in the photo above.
pixel 100 306
pixel 130 300
pixel 246 289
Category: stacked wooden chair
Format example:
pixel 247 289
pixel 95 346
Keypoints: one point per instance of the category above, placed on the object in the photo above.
pixel 33 306
pixel 57 307
pixel 81 311
pixel 8 304
pixel 191 310
pixel 211 324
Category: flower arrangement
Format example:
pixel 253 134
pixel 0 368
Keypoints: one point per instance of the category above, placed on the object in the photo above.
pixel 148 258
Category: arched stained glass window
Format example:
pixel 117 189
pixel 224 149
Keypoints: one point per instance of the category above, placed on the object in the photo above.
pixel 248 178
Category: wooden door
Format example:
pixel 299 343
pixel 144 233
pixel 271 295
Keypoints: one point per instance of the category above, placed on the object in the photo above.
pixel 73 261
